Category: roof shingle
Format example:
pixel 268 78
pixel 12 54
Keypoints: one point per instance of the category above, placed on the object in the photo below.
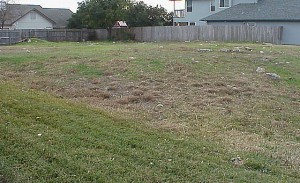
pixel 263 10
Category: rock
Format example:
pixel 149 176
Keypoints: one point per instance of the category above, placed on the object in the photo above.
pixel 266 59
pixel 261 52
pixel 159 105
pixel 131 58
pixel 248 49
pixel 236 49
pixel 268 44
pixel 237 161
pixel 205 50
pixel 195 61
pixel 27 51
pixel 260 70
pixel 161 47
pixel 225 50
pixel 273 76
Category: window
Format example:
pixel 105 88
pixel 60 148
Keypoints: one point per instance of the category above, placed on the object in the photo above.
pixel 192 23
pixel 212 5
pixel 181 23
pixel 224 3
pixel 179 13
pixel 189 5
pixel 32 15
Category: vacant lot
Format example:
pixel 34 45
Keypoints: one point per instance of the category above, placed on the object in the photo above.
pixel 149 112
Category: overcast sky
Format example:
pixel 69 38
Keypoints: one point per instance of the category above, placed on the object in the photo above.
pixel 72 4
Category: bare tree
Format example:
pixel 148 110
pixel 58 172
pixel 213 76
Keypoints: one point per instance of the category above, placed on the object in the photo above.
pixel 6 13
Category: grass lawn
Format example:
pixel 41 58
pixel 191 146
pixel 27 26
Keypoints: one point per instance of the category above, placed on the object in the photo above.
pixel 149 112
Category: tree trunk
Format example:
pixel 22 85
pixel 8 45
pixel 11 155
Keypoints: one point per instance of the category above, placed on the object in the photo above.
pixel 109 30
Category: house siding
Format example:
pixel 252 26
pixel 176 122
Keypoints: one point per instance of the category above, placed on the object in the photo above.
pixel 27 22
pixel 290 33
pixel 201 9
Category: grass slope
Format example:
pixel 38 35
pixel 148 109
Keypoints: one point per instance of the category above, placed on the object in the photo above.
pixel 79 144
pixel 173 113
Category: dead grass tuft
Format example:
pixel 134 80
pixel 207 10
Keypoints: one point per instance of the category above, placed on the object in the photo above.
pixel 108 73
pixel 111 88
pixel 228 91
pixel 148 98
pixel 128 100
pixel 279 124
pixel 224 100
pixel 87 93
pixel 220 83
pixel 196 85
pixel 96 81
pixel 137 92
pixel 211 91
pixel 240 82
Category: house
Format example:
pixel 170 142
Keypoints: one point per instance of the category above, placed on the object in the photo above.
pixel 285 13
pixel 120 24
pixel 20 16
pixel 195 10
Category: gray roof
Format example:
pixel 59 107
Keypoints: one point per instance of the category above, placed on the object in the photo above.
pixel 59 16
pixel 56 15
pixel 263 10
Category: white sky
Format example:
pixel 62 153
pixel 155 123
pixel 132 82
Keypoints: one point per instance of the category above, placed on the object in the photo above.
pixel 72 4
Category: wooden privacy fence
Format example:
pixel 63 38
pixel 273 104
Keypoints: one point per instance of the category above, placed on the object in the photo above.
pixel 209 33
pixel 150 34
pixel 8 37
pixel 73 35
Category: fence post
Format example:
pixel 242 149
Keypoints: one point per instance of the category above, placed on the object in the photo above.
pixel 280 34
pixel 66 35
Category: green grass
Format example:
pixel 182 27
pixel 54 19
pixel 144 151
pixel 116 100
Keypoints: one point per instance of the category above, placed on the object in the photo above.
pixel 148 112
pixel 78 143
pixel 85 70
